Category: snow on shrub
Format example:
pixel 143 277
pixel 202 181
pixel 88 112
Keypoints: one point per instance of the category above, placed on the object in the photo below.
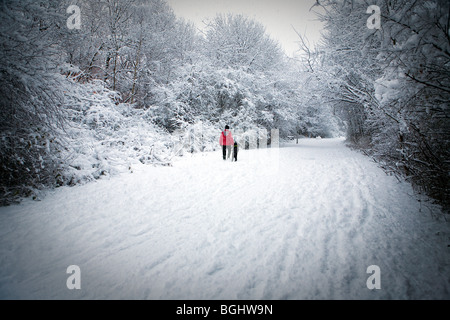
pixel 106 137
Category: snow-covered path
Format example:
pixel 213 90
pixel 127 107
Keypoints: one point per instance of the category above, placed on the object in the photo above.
pixel 209 229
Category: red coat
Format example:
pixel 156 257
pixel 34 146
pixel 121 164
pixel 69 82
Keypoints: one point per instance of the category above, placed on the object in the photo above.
pixel 226 138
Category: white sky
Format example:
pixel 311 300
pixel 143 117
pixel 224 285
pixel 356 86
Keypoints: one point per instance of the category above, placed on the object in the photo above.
pixel 278 16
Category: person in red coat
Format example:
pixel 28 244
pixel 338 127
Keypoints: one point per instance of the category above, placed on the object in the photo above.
pixel 226 141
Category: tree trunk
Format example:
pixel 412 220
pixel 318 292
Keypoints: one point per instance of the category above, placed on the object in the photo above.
pixel 136 66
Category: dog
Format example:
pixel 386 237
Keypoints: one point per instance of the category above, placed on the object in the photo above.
pixel 235 151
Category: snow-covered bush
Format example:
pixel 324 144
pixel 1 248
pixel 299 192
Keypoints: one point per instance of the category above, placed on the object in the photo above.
pixel 106 137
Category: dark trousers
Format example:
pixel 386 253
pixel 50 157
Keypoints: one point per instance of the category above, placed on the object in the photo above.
pixel 224 151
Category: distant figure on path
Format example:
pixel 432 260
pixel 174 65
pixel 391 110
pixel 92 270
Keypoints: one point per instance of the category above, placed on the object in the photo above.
pixel 226 141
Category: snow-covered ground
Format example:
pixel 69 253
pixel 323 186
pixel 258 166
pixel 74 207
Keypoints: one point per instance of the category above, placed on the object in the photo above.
pixel 210 229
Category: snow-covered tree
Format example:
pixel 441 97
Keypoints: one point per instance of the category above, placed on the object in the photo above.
pixel 31 96
pixel 391 85
pixel 238 41
pixel 415 89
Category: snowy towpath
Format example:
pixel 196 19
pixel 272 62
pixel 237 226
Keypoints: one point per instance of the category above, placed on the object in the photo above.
pixel 209 229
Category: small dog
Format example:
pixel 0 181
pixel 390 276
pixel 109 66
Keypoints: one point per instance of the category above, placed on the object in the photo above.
pixel 235 151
